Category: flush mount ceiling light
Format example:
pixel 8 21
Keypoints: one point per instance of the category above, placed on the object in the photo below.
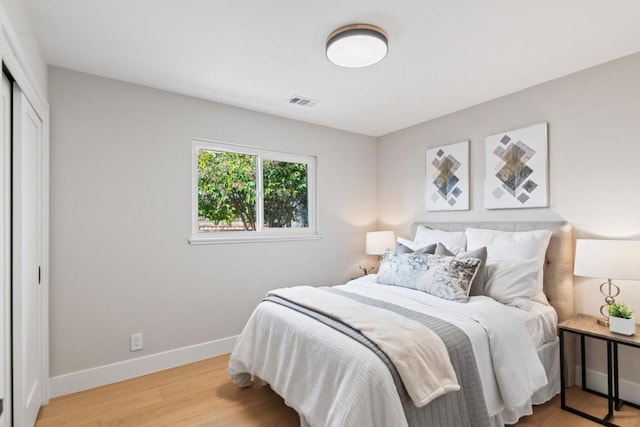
pixel 357 45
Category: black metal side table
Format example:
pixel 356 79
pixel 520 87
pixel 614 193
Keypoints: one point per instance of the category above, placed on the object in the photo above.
pixel 587 326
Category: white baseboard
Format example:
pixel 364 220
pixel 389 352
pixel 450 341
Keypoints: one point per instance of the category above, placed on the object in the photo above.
pixel 114 372
pixel 597 380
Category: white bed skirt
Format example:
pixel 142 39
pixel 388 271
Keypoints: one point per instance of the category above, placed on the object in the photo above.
pixel 549 355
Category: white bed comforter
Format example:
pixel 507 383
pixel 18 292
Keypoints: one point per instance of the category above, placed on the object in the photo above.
pixel 417 352
pixel 331 380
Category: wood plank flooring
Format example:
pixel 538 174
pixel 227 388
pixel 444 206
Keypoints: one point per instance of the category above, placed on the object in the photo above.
pixel 200 394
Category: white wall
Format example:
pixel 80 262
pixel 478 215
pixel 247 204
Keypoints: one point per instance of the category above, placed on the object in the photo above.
pixel 594 165
pixel 121 211
pixel 33 60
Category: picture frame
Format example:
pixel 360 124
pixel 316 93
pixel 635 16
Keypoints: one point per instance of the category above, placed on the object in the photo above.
pixel 447 177
pixel 516 170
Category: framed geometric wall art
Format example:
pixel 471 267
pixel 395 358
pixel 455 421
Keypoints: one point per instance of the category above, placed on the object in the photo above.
pixel 448 177
pixel 516 168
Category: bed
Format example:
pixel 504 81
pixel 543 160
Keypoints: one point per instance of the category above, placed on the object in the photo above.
pixel 333 376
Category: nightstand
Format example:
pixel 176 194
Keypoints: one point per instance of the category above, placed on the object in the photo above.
pixel 587 326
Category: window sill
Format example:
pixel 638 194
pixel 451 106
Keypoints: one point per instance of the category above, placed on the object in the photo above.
pixel 252 239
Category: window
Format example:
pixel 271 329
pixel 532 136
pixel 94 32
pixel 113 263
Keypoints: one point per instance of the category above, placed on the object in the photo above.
pixel 249 194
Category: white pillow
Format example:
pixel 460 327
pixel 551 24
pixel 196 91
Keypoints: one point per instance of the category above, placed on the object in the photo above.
pixel 516 245
pixel 508 281
pixel 454 240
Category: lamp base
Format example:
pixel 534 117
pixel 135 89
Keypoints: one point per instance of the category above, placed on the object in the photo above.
pixel 365 270
pixel 609 298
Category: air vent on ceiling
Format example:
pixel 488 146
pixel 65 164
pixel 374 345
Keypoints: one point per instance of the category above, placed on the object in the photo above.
pixel 302 101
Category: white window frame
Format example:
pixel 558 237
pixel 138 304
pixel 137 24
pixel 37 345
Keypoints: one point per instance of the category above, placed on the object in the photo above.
pixel 260 234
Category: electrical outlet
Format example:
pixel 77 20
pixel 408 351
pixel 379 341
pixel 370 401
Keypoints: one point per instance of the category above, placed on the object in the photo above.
pixel 136 341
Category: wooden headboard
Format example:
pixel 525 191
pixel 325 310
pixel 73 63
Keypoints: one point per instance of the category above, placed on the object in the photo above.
pixel 558 267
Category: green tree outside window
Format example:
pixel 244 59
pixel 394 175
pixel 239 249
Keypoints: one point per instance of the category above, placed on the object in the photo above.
pixel 227 192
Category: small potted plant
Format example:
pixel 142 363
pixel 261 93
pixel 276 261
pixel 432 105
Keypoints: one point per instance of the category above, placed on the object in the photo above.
pixel 621 320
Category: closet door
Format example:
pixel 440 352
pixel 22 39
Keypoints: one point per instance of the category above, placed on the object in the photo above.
pixel 5 250
pixel 28 389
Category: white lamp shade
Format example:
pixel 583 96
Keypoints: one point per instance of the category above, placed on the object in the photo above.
pixel 608 259
pixel 378 242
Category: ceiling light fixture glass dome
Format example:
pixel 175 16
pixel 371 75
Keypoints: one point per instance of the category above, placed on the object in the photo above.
pixel 357 45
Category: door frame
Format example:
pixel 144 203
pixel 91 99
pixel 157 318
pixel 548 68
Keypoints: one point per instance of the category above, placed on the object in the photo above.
pixel 13 57
pixel 5 252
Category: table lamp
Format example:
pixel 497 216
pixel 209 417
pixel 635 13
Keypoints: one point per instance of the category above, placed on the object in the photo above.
pixel 610 259
pixel 377 243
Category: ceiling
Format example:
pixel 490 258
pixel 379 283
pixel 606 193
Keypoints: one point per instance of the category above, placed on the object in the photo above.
pixel 444 55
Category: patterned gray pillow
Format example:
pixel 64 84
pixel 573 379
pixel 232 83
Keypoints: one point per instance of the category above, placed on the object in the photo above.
pixel 478 284
pixel 448 277
pixel 400 269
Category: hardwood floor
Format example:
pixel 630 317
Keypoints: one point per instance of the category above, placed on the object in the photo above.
pixel 200 394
